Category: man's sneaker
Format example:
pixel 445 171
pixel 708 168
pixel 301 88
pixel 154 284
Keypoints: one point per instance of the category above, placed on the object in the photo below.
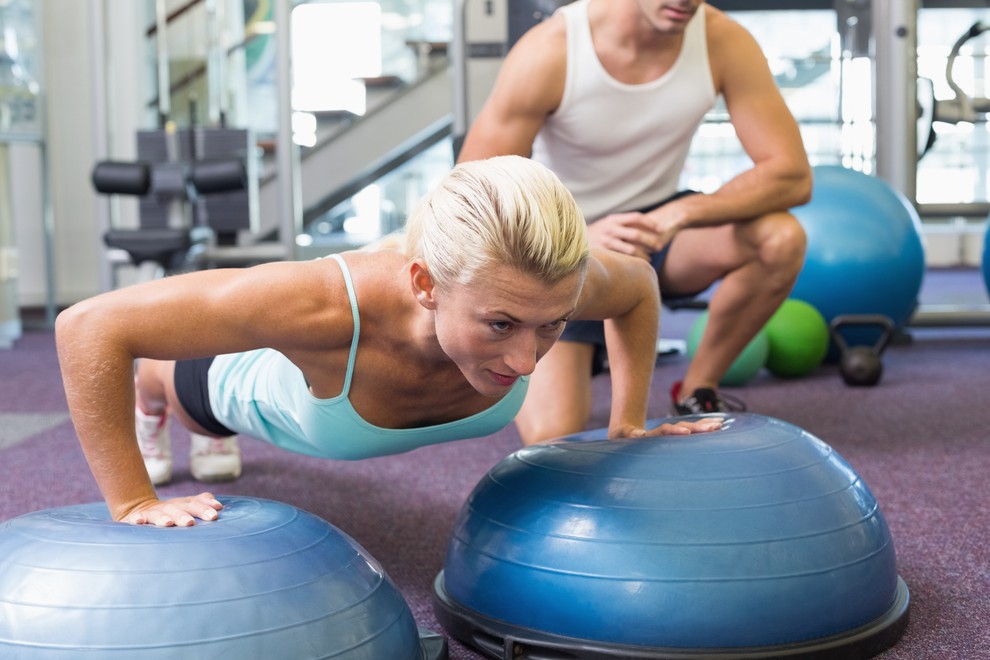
pixel 703 400
pixel 214 459
pixel 152 437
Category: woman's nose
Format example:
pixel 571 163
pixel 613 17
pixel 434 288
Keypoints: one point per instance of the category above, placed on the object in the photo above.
pixel 521 357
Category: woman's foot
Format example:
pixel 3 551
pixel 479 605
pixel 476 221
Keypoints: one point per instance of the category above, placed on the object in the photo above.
pixel 214 459
pixel 156 447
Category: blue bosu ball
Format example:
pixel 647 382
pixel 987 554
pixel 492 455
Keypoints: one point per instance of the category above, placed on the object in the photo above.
pixel 265 580
pixel 864 256
pixel 754 540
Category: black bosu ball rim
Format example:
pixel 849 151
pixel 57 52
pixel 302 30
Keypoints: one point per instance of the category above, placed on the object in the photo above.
pixel 499 639
pixel 432 646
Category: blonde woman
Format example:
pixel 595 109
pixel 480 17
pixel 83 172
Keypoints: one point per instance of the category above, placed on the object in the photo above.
pixel 363 353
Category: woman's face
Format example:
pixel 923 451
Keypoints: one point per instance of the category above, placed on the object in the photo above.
pixel 496 330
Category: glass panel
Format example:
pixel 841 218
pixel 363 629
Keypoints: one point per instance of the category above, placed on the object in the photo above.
pixel 955 170
pixel 372 53
pixel 257 63
pixel 383 206
pixel 803 55
pixel 241 40
pixel 406 34
pixel 335 48
pixel 20 68
pixel 830 94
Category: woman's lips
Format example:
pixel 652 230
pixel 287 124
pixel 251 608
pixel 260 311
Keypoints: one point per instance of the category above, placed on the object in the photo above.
pixel 504 381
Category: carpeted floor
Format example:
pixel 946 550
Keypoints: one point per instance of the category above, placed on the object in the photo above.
pixel 920 440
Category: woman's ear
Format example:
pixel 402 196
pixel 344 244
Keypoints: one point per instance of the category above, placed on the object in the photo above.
pixel 422 284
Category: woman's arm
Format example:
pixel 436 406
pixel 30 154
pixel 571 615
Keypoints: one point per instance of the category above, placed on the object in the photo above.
pixel 284 306
pixel 623 291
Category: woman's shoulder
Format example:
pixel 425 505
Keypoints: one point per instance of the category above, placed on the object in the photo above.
pixel 376 279
pixel 375 268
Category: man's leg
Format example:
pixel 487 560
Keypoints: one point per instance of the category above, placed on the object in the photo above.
pixel 559 399
pixel 757 263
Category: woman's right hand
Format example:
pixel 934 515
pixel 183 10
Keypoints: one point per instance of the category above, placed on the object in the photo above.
pixel 175 512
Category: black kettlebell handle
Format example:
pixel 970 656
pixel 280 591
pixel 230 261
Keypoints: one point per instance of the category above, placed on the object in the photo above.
pixel 885 323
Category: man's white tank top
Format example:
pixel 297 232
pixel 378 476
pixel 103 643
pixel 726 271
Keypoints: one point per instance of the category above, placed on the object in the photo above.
pixel 621 147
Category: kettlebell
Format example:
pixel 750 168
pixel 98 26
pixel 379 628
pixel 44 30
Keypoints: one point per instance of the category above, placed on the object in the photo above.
pixel 861 365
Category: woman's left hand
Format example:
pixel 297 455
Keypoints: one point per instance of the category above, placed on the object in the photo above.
pixel 704 425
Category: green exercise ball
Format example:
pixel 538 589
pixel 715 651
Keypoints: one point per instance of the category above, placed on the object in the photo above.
pixel 798 337
pixel 749 362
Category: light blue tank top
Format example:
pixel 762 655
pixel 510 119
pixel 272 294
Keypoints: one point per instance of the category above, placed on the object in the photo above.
pixel 262 394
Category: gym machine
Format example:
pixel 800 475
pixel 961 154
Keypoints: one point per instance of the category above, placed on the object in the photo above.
pixel 194 191
pixel 197 186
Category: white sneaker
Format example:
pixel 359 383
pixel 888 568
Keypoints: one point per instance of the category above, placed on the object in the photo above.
pixel 214 459
pixel 156 448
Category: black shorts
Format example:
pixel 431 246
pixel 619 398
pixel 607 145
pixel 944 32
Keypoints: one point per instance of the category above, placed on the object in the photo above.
pixel 593 332
pixel 193 391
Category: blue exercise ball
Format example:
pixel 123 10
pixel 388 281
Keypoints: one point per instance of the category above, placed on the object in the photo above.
pixel 864 255
pixel 754 540
pixel 265 580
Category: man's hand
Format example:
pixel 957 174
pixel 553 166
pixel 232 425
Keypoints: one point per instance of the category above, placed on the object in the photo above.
pixel 626 233
pixel 175 512
pixel 637 234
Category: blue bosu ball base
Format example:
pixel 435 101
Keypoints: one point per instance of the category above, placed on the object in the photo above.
pixel 754 541
pixel 499 639
pixel 265 580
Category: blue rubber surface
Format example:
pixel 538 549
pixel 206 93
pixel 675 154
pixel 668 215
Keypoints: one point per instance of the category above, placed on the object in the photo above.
pixel 265 580
pixel 757 535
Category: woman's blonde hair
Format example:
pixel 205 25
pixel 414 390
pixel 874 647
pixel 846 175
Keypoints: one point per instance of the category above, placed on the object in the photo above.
pixel 505 210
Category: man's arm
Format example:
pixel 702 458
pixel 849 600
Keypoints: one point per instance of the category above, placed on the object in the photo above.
pixel 780 177
pixel 528 88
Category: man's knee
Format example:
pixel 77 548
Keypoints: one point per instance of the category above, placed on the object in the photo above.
pixel 782 242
